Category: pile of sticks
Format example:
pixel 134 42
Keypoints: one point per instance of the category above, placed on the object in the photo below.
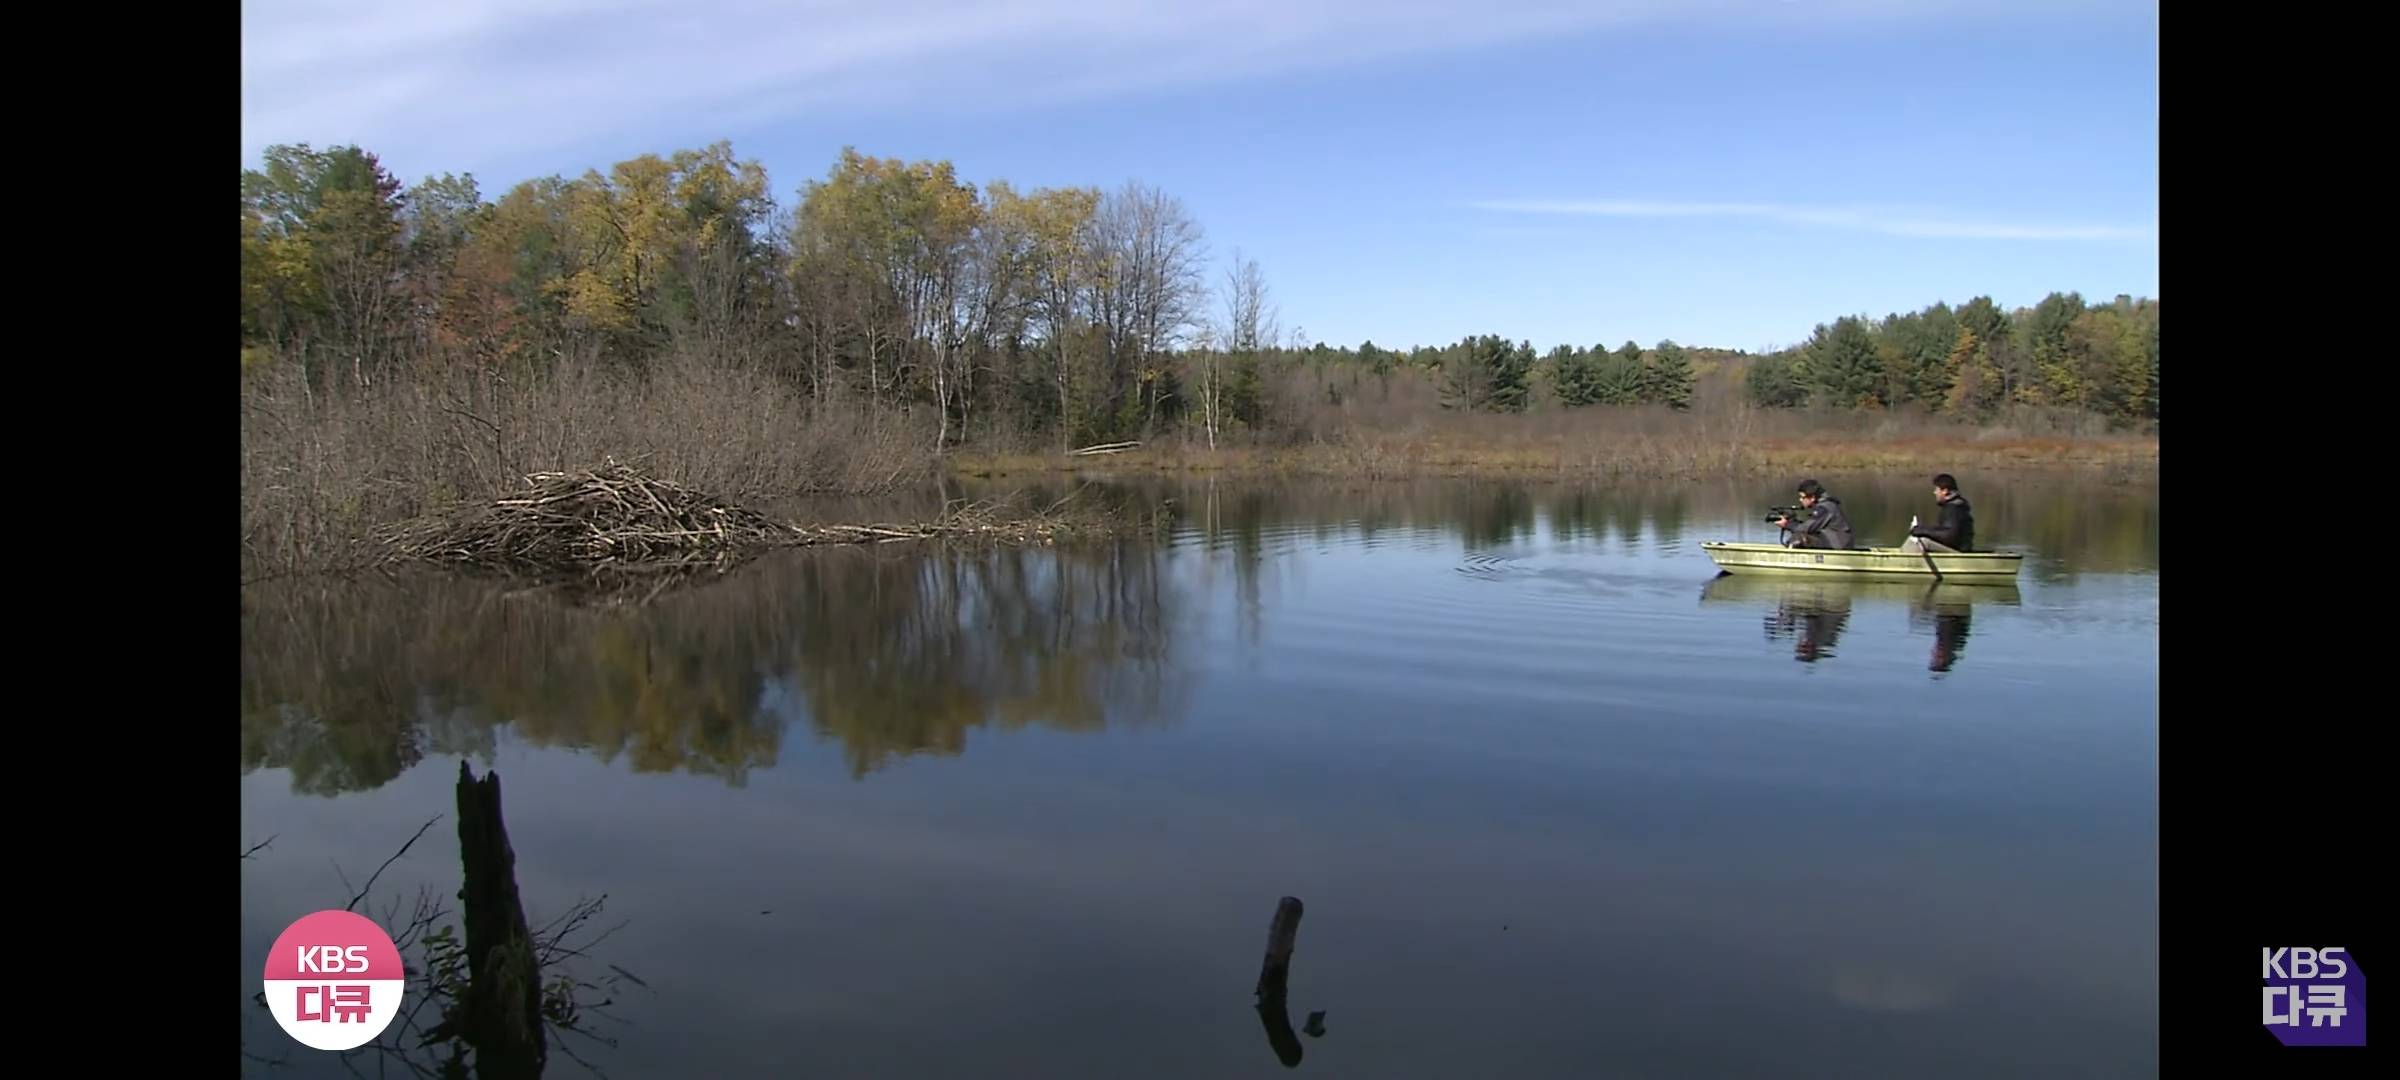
pixel 595 517
pixel 615 516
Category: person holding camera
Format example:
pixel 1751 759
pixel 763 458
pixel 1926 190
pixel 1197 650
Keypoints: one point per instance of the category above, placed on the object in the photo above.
pixel 1826 526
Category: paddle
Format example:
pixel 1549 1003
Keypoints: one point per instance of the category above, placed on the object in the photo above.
pixel 1937 571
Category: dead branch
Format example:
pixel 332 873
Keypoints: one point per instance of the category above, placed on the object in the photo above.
pixel 387 864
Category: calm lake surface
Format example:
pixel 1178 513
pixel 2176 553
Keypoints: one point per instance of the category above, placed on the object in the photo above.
pixel 1558 799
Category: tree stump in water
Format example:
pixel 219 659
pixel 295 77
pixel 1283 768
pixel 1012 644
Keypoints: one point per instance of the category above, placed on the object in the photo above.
pixel 1280 934
pixel 504 994
pixel 1273 973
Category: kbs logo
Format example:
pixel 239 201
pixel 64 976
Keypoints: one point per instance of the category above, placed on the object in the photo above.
pixel 2314 997
pixel 334 980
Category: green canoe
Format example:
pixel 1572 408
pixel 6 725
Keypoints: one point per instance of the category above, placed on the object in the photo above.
pixel 1976 567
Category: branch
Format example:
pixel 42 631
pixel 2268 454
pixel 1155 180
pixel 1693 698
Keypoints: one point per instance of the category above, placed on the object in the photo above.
pixel 1064 499
pixel 387 863
pixel 578 1058
pixel 260 846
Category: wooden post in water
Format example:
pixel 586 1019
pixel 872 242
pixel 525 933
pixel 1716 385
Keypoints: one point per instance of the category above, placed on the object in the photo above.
pixel 1273 974
pixel 504 988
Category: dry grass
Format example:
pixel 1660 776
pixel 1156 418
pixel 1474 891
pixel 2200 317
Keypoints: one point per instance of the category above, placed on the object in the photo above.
pixel 1344 423
pixel 321 469
pixel 1702 450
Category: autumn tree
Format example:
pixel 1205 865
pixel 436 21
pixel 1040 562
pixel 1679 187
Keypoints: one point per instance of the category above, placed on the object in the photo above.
pixel 1975 382
pixel 2055 376
pixel 1060 224
pixel 322 255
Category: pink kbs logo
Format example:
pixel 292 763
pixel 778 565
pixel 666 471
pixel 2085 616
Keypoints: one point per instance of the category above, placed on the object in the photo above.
pixel 334 980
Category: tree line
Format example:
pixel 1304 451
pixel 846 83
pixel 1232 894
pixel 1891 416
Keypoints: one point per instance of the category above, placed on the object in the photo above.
pixel 1977 360
pixel 1072 313
pixel 889 284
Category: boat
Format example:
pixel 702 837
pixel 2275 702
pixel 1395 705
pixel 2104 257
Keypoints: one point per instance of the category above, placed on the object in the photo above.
pixel 1962 567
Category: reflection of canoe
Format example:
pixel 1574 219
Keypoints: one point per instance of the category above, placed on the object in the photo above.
pixel 1979 567
pixel 1813 609
pixel 1829 591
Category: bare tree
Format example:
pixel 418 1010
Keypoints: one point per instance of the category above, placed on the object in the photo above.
pixel 1211 381
pixel 1246 322
pixel 1152 253
pixel 1251 321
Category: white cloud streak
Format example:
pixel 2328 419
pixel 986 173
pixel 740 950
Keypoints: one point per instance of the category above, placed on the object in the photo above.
pixel 1893 223
pixel 447 80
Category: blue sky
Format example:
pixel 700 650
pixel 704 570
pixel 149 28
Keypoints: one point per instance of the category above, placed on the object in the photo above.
pixel 1720 172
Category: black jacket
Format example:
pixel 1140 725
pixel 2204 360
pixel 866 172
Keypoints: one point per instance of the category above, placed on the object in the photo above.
pixel 1826 519
pixel 1953 526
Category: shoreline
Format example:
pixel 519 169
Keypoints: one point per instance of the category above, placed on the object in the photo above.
pixel 328 530
pixel 2118 460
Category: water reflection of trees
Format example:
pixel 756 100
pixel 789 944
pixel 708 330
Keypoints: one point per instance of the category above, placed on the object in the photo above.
pixel 889 652
pixel 899 650
pixel 1496 515
pixel 1596 514
pixel 1253 517
pixel 931 648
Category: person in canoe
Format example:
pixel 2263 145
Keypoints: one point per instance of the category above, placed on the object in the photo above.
pixel 1826 526
pixel 1953 527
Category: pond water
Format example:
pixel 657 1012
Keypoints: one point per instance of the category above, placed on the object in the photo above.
pixel 1559 801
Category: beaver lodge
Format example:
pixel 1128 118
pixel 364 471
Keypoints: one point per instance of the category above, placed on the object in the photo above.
pixel 616 517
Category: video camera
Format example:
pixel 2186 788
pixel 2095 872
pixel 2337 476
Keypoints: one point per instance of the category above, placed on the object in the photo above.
pixel 1776 514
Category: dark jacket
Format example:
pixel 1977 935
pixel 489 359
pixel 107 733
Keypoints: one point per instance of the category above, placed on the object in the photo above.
pixel 1954 525
pixel 1827 520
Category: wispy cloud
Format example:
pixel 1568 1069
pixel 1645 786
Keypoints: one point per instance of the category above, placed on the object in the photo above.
pixel 1894 223
pixel 453 80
